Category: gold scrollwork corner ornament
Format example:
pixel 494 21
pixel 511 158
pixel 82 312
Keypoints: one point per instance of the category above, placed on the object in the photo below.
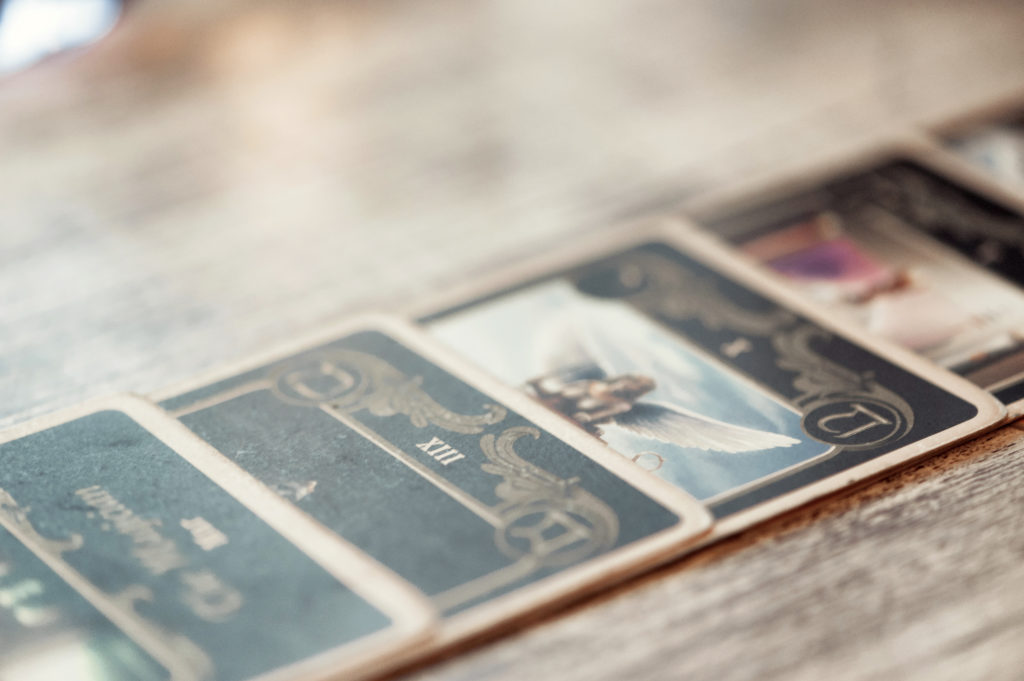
pixel 350 381
pixel 668 290
pixel 840 407
pixel 545 518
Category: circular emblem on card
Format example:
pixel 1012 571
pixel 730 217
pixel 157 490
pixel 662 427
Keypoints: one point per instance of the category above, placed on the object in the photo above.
pixel 854 422
pixel 552 534
pixel 314 381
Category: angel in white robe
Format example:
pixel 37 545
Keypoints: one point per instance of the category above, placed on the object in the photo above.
pixel 591 381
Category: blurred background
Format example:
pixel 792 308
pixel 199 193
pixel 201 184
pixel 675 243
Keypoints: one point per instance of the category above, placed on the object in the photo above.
pixel 212 176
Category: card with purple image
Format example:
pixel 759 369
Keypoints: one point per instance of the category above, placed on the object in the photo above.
pixel 907 254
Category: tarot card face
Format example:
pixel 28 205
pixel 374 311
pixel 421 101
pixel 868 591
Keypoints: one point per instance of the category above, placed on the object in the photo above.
pixel 466 495
pixel 120 558
pixel 909 256
pixel 682 363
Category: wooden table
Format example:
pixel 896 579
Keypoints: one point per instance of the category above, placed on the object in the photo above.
pixel 217 177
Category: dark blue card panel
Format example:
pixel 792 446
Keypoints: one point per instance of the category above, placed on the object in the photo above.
pixel 195 579
pixel 50 631
pixel 462 497
pixel 698 378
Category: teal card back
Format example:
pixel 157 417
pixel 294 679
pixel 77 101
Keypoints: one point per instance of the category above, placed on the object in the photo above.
pixel 458 494
pixel 99 514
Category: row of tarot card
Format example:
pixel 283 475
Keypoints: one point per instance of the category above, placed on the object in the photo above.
pixel 336 508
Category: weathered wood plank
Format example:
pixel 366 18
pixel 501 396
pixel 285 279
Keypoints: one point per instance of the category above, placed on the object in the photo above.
pixel 221 176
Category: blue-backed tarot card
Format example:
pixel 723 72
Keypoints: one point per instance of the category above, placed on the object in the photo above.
pixel 122 558
pixel 464 493
pixel 705 373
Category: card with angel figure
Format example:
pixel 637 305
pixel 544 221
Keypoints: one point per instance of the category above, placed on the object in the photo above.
pixel 453 482
pixel 706 374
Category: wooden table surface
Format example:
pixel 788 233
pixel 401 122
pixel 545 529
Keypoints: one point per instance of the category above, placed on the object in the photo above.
pixel 218 177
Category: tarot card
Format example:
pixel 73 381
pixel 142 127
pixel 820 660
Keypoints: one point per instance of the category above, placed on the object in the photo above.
pixel 389 443
pixel 129 551
pixel 707 374
pixel 907 253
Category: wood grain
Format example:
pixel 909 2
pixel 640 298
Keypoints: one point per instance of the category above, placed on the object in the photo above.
pixel 918 576
pixel 219 176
